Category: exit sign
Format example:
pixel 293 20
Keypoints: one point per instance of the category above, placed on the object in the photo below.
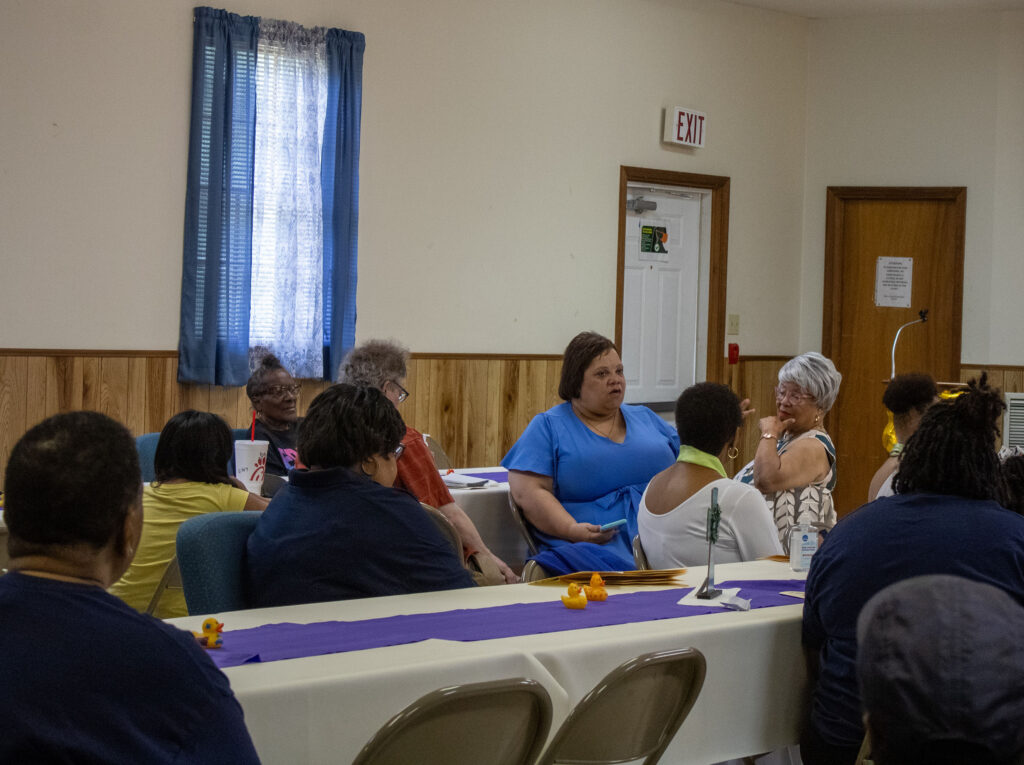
pixel 685 127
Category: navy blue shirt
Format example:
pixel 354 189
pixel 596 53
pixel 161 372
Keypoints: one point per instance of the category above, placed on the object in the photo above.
pixel 85 678
pixel 884 542
pixel 335 535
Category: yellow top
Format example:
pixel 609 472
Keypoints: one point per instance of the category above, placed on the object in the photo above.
pixel 165 507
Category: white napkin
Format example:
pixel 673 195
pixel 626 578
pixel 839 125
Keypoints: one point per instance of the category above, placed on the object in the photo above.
pixel 729 599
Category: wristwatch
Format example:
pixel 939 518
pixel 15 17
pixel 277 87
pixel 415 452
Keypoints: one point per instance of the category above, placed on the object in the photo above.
pixel 769 435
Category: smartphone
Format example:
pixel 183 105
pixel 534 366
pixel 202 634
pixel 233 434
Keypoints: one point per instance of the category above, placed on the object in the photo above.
pixel 614 524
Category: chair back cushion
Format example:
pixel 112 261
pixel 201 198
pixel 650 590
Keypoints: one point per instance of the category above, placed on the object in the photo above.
pixel 211 554
pixel 145 445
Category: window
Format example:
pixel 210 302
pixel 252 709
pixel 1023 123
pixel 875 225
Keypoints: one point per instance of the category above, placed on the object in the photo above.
pixel 272 199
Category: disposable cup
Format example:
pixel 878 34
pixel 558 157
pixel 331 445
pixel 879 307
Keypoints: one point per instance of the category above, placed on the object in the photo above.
pixel 251 463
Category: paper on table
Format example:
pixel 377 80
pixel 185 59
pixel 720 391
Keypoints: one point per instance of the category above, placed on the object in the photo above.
pixel 663 576
pixel 459 481
pixel 728 598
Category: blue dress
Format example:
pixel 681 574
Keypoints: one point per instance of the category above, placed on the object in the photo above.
pixel 596 479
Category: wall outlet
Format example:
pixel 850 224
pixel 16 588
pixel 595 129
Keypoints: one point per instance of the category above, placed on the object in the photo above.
pixel 732 324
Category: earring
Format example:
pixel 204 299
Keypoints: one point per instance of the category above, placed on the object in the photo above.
pixel 733 452
pixel 816 418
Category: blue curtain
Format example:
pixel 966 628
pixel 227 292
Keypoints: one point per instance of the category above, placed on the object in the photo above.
pixel 340 183
pixel 217 269
pixel 213 343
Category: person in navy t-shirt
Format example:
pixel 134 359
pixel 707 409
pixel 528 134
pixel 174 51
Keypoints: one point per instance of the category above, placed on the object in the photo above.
pixel 86 678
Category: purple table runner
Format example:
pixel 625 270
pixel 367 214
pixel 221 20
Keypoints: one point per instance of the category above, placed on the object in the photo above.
pixel 499 476
pixel 273 642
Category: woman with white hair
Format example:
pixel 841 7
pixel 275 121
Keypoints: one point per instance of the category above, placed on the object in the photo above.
pixel 795 462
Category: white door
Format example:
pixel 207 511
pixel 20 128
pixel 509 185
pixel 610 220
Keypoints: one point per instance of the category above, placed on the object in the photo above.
pixel 665 292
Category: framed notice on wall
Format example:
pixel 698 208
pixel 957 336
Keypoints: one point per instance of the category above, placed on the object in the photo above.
pixel 893 277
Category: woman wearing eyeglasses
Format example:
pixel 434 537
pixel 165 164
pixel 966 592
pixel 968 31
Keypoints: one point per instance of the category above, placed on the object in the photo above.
pixel 382 364
pixel 338 530
pixel 795 462
pixel 274 395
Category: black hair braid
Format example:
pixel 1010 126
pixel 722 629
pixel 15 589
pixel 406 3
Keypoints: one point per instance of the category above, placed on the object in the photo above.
pixel 953 451
pixel 1013 478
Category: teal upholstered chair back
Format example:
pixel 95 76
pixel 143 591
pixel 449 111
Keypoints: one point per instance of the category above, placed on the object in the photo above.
pixel 145 445
pixel 211 555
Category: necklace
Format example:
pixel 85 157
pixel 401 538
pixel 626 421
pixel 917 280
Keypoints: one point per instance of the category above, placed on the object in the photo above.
pixel 591 423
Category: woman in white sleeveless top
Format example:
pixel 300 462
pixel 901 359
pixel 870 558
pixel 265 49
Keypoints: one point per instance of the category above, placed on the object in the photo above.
pixel 672 518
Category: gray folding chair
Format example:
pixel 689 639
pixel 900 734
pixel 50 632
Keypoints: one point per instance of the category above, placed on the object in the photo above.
pixel 171 580
pixel 633 712
pixel 523 525
pixel 501 722
pixel 448 531
pixel 441 458
pixel 533 572
pixel 639 556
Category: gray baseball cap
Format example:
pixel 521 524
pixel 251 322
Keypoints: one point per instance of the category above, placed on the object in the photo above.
pixel 940 662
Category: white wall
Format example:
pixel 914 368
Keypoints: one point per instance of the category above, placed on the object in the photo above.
pixel 493 132
pixel 925 101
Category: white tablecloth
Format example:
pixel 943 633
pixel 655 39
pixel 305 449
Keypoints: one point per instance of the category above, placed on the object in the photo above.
pixel 488 508
pixel 324 709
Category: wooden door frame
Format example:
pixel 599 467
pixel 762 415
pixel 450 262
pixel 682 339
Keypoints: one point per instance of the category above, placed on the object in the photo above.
pixel 719 253
pixel 836 197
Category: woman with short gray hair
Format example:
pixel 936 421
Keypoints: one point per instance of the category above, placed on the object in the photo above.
pixel 794 465
pixel 381 364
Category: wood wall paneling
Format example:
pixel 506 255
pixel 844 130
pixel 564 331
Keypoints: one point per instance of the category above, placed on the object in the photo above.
pixel 476 406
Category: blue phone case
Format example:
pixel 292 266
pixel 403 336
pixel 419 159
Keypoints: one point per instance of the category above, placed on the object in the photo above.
pixel 614 524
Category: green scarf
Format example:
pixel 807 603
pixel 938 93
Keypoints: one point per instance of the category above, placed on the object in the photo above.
pixel 695 456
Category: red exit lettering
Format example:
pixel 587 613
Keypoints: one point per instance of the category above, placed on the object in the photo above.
pixel 688 128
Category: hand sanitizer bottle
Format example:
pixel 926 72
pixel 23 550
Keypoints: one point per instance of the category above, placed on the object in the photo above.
pixel 803 543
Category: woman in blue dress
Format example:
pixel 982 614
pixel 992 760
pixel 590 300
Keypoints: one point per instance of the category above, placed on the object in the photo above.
pixel 585 462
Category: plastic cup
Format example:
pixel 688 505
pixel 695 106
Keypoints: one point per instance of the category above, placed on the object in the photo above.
pixel 251 463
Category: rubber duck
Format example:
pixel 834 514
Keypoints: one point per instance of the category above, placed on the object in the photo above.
pixel 595 590
pixel 210 636
pixel 575 598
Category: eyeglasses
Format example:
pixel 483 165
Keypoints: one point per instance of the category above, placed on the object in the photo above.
pixel 399 450
pixel 280 390
pixel 782 395
pixel 403 394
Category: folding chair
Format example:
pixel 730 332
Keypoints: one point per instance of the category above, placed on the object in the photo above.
pixel 441 458
pixel 523 525
pixel 633 712
pixel 533 572
pixel 639 556
pixel 171 580
pixel 501 722
pixel 448 531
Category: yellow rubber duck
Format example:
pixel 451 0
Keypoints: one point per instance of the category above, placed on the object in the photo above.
pixel 575 598
pixel 210 636
pixel 595 590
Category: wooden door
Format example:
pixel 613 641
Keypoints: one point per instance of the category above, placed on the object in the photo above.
pixel 863 225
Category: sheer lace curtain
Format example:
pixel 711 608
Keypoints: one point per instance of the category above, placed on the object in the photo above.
pixel 286 314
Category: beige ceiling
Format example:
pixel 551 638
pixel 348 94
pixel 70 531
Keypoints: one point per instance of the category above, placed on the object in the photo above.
pixel 825 9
